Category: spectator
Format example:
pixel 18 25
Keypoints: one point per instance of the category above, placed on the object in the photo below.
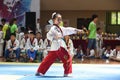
pixel 92 35
pixel 32 46
pixel 23 42
pixel 116 54
pixel 70 47
pixel 107 54
pixel 1 41
pixel 5 27
pixel 13 26
pixel 99 41
pixel 38 28
pixel 47 45
pixel 12 47
pixel 1 34
pixel 47 27
pixel 40 46
pixel 79 53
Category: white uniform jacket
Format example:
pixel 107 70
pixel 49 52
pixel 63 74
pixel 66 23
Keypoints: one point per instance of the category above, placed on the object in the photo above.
pixel 23 44
pixel 14 45
pixel 59 32
pixel 40 44
pixel 32 44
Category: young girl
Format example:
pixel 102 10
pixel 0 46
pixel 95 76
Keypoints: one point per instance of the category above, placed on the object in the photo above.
pixel 58 47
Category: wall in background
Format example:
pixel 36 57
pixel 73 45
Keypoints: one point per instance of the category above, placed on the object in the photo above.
pixel 80 4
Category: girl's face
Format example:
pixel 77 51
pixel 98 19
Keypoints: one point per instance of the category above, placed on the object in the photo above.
pixel 57 20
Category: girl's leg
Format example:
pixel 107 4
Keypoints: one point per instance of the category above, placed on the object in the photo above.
pixel 66 59
pixel 47 62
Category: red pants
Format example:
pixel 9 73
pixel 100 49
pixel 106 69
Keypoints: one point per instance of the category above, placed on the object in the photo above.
pixel 63 55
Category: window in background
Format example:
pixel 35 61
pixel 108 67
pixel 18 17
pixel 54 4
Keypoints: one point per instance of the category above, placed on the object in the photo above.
pixel 119 18
pixel 114 18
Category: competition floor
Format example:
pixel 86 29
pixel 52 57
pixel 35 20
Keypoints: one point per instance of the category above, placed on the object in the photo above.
pixel 26 71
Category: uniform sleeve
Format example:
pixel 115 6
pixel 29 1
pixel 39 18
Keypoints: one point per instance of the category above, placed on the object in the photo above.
pixel 22 43
pixel 27 44
pixel 8 44
pixel 69 30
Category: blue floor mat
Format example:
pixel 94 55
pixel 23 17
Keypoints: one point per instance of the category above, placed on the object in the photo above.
pixel 80 72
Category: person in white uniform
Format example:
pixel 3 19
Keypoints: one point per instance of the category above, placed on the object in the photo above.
pixel 32 46
pixel 40 46
pixel 58 47
pixel 12 47
pixel 116 54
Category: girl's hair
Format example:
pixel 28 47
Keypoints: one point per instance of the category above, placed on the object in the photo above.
pixel 54 15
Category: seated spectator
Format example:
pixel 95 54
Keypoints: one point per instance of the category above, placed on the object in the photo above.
pixel 116 54
pixel 79 53
pixel 23 45
pixel 70 46
pixel 40 46
pixel 12 47
pixel 32 46
pixel 107 54
pixel 47 45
